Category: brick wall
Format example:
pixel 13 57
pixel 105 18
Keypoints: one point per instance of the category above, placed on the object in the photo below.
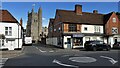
pixel 110 24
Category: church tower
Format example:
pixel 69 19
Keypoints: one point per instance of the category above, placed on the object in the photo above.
pixel 39 23
pixel 34 24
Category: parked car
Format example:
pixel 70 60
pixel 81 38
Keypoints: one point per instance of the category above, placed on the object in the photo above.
pixel 116 45
pixel 96 45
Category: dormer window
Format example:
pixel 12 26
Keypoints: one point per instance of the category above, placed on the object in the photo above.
pixel 114 20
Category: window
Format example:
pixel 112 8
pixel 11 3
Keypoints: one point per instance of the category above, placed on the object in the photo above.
pixel 97 29
pixel 72 27
pixel 114 30
pixel 8 31
pixel 114 20
pixel 85 28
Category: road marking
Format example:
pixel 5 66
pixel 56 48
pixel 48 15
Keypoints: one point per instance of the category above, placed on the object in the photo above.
pixel 65 56
pixel 41 50
pixel 51 51
pixel 83 59
pixel 2 61
pixel 36 47
pixel 58 62
pixel 110 59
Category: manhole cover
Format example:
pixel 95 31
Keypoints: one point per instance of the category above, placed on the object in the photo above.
pixel 82 59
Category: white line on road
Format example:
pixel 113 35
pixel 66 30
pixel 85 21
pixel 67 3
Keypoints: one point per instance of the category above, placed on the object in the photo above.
pixel 65 56
pixel 41 50
pixel 51 51
pixel 36 47
pixel 110 59
pixel 58 62
pixel 2 61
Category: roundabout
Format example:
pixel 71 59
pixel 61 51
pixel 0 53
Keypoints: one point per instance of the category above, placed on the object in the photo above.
pixel 83 59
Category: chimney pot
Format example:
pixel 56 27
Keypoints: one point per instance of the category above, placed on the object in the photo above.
pixel 95 11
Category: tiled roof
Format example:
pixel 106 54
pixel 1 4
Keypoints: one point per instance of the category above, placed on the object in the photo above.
pixel 6 16
pixel 118 14
pixel 85 18
pixel 107 16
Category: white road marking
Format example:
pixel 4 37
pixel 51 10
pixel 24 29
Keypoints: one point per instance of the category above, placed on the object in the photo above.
pixel 58 62
pixel 36 47
pixel 41 50
pixel 2 61
pixel 51 51
pixel 83 59
pixel 110 59
pixel 65 56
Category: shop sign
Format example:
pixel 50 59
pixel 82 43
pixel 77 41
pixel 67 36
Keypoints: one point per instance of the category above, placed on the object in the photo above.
pixel 78 35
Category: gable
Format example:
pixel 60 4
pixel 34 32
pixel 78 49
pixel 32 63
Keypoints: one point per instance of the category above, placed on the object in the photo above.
pixel 7 17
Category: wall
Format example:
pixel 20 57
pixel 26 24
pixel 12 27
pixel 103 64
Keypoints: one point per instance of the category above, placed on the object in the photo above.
pixel 110 24
pixel 11 44
pixel 51 41
pixel 90 28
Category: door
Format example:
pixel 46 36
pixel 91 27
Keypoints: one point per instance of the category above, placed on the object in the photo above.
pixel 115 40
pixel 69 43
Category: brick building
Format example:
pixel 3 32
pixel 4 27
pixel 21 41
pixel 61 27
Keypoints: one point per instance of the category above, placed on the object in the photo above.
pixel 70 29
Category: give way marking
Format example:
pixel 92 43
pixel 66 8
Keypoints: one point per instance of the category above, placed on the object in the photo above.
pixel 110 59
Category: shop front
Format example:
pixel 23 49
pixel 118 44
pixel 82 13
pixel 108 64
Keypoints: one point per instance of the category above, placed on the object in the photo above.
pixel 77 40
pixel 73 41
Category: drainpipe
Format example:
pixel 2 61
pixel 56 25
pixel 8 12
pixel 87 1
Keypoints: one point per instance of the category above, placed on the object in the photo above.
pixel 18 36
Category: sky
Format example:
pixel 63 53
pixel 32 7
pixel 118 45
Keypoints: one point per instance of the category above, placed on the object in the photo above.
pixel 20 9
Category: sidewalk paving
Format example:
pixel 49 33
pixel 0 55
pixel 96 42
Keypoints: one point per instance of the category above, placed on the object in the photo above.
pixel 10 53
pixel 59 48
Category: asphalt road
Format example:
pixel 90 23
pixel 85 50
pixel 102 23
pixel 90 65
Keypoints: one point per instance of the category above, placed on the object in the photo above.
pixel 41 56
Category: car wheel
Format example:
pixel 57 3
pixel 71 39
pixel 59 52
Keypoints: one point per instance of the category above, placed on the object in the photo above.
pixel 94 49
pixel 108 49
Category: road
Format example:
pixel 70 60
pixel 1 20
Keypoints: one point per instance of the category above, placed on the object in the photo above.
pixel 41 56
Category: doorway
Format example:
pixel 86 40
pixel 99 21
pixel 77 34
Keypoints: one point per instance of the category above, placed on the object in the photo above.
pixel 69 43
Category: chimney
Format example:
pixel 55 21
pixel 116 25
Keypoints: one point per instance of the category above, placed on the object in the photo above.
pixel 95 11
pixel 78 9
pixel 21 22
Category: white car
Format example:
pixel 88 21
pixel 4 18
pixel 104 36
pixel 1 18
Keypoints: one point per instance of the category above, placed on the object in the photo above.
pixel 28 40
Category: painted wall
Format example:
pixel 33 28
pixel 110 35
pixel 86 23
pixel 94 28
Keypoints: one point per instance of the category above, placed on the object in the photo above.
pixel 11 45
pixel 90 28
pixel 65 40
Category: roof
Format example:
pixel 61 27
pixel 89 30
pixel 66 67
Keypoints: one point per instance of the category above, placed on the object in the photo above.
pixel 107 16
pixel 7 17
pixel 118 14
pixel 85 18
